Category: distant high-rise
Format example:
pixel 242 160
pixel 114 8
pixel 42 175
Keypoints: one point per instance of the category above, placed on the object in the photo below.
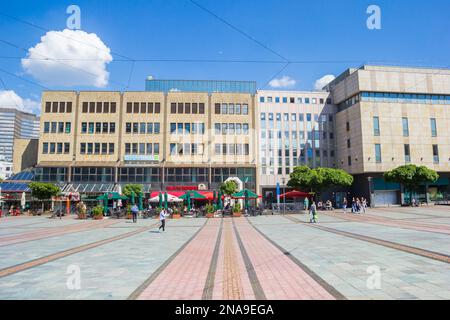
pixel 16 124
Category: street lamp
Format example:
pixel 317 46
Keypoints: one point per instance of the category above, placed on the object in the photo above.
pixel 283 180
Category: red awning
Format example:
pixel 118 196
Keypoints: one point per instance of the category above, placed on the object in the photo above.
pixel 295 194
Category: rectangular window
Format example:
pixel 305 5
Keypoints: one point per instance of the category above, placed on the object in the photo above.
pixel 245 109
pixel 217 128
pixel 149 148
pixel 238 108
pixel 45 148
pixel 129 107
pixel 407 153
pixel 150 107
pixel 157 107
pixel 376 126
pixel 99 107
pixel 46 127
pixel 48 107
pixel 433 127
pixel 135 107
pixel 405 127
pixel 201 108
pixel 60 127
pixel 59 146
pixel 238 128
pixel 55 107
pixel 348 143
pixel 173 128
pixel 187 128
pixel 245 128
pixel 180 107
pixel 156 148
pixel 156 128
pixel 112 127
pixel 97 148
pixel 91 127
pixel 149 127
pixel 98 127
pixel 104 148
pixel 187 108
pixel 173 148
pixel 89 148
pixel 127 148
pixel 349 160
pixel 179 128
pixel 143 107
pixel 141 148
pixel 195 108
pixel 128 127
pixel 111 148
pixel 135 127
pixel 105 126
pixel 231 108
pixel 106 107
pixel 377 153
pixel 62 107
pixel 224 128
pixel 173 107
pixel 435 153
pixel 224 108
pixel 82 148
pixel 347 125
pixel 142 128
pixel 91 107
pixel 113 107
pixel 68 127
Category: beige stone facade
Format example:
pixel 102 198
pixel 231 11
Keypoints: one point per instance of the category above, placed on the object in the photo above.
pixel 24 154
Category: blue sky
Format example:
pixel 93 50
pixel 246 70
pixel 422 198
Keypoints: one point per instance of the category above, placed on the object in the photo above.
pixel 413 33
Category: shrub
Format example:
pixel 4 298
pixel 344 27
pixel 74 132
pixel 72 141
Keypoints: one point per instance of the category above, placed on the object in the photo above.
pixel 97 211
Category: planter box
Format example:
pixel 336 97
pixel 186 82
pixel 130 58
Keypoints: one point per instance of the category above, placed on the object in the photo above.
pixel 129 216
pixel 98 217
pixel 176 216
pixel 210 215
pixel 237 214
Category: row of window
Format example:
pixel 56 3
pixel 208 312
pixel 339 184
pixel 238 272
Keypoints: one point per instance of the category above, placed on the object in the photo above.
pixel 96 148
pixel 98 127
pixel 98 107
pixel 187 128
pixel 395 98
pixel 231 149
pixel 58 107
pixel 406 152
pixel 143 107
pixel 231 108
pixel 142 127
pixel 187 108
pixel 405 126
pixel 300 100
pixel 230 128
pixel 55 147
pixel 186 149
pixel 142 148
pixel 57 127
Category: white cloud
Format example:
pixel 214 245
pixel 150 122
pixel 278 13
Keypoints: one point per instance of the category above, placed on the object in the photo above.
pixel 322 82
pixel 10 99
pixel 283 82
pixel 88 69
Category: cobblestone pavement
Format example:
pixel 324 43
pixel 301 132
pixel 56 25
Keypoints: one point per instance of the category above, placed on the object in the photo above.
pixel 386 253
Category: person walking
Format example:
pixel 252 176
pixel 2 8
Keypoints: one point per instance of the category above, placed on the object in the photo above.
pixel 313 212
pixel 344 205
pixel 134 212
pixel 306 203
pixel 162 218
pixel 353 205
pixel 363 204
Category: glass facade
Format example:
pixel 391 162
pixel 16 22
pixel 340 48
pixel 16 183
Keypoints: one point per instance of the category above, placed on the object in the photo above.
pixel 209 86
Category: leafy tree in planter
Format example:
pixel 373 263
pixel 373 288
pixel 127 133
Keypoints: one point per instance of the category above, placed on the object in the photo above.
pixel 137 188
pixel 229 187
pixel 411 176
pixel 43 191
pixel 319 179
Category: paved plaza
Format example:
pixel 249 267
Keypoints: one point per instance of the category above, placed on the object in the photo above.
pixel 387 253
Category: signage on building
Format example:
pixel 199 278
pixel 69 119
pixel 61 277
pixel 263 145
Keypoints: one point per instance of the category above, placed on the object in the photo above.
pixel 202 186
pixel 141 157
pixel 182 188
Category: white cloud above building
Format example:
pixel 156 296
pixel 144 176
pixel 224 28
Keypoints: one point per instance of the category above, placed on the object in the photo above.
pixel 322 82
pixel 69 58
pixel 10 99
pixel 283 82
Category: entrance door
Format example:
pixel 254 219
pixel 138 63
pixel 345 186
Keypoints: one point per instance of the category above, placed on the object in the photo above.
pixel 385 198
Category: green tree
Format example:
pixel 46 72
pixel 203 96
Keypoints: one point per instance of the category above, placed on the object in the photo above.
pixel 229 187
pixel 411 176
pixel 43 191
pixel 319 179
pixel 137 188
